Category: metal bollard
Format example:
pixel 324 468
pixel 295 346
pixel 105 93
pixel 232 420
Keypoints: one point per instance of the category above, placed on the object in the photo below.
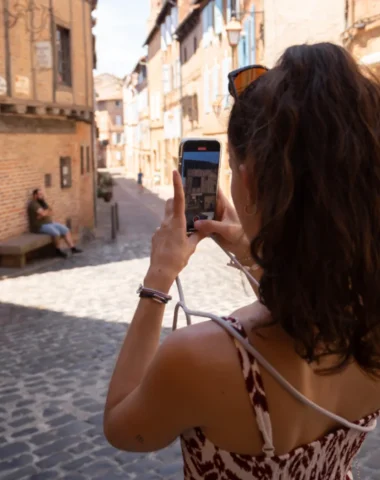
pixel 113 223
pixel 117 216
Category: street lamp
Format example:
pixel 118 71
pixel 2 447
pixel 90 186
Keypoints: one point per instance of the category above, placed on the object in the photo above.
pixel 233 30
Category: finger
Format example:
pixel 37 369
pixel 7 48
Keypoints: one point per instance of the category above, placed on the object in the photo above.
pixel 194 239
pixel 169 207
pixel 208 227
pixel 179 195
pixel 221 203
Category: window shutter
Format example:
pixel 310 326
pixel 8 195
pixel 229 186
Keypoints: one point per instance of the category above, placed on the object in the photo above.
pixel 206 90
pixel 178 73
pixel 168 29
pixel 206 34
pixel 165 79
pixel 215 83
pixel 218 15
pixel 158 106
pixel 170 77
pixel 226 70
pixel 174 15
pixel 163 38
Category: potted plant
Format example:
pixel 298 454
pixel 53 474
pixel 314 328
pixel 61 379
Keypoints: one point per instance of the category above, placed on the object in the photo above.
pixel 105 186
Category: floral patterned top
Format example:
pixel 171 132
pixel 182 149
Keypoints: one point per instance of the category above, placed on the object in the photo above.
pixel 328 458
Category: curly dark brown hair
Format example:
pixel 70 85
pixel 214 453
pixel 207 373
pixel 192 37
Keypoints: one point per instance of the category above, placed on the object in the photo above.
pixel 309 132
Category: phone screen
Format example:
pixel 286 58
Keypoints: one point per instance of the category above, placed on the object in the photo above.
pixel 200 162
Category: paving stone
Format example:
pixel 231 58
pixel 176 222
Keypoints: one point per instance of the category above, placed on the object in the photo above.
pixel 61 420
pixel 25 433
pixel 24 403
pixel 81 448
pixel 78 464
pixel 43 438
pixel 73 428
pixel 22 421
pixel 96 419
pixel 10 398
pixel 13 449
pixel 54 460
pixel 20 461
pixel 55 447
pixel 98 468
pixel 21 411
pixel 21 474
pixel 48 475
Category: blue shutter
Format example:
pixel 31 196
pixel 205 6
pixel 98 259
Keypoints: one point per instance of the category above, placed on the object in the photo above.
pixel 168 23
pixel 218 15
pixel 174 15
pixel 206 35
pixel 210 10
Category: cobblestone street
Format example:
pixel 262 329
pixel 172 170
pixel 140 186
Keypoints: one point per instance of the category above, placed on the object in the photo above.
pixel 62 327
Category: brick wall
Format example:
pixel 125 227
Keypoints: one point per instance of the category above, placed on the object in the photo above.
pixel 25 159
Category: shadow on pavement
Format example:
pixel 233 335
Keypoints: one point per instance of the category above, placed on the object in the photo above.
pixel 55 371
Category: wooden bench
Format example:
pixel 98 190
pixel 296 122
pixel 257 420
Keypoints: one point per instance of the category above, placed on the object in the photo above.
pixel 14 250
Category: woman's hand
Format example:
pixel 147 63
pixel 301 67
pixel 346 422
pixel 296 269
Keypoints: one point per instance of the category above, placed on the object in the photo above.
pixel 226 227
pixel 171 246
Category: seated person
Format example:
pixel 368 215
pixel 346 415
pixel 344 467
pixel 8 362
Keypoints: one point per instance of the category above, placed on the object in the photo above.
pixel 41 221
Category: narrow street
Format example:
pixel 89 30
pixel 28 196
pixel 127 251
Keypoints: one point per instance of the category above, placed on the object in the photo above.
pixel 61 331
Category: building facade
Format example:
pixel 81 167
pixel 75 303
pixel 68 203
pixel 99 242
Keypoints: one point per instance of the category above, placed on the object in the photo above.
pixel 109 120
pixel 188 43
pixel 46 111
pixel 137 121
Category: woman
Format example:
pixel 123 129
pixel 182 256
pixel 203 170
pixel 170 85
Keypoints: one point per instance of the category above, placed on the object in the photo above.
pixel 304 142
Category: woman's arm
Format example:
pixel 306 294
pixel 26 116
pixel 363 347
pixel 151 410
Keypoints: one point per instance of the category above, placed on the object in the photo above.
pixel 140 344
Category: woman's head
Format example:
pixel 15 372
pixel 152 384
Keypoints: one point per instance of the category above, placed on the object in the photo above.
pixel 304 141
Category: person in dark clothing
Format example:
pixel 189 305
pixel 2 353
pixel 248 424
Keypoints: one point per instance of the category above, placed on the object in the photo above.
pixel 140 177
pixel 40 220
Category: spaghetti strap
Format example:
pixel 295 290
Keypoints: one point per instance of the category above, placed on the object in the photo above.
pixel 255 388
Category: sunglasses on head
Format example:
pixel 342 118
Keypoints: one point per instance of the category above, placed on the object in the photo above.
pixel 240 79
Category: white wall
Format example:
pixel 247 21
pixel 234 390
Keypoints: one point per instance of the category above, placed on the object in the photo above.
pixel 291 22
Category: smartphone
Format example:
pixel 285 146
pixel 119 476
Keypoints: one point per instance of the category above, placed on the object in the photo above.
pixel 199 162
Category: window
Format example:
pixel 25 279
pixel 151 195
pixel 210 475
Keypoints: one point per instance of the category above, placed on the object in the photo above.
pixel 118 120
pixel 63 56
pixel 119 156
pixel 48 180
pixel 197 182
pixel 82 160
pixel 65 170
pixel 167 80
pixel 118 138
pixel 117 103
pixel 184 54
pixel 195 44
pixel 88 163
